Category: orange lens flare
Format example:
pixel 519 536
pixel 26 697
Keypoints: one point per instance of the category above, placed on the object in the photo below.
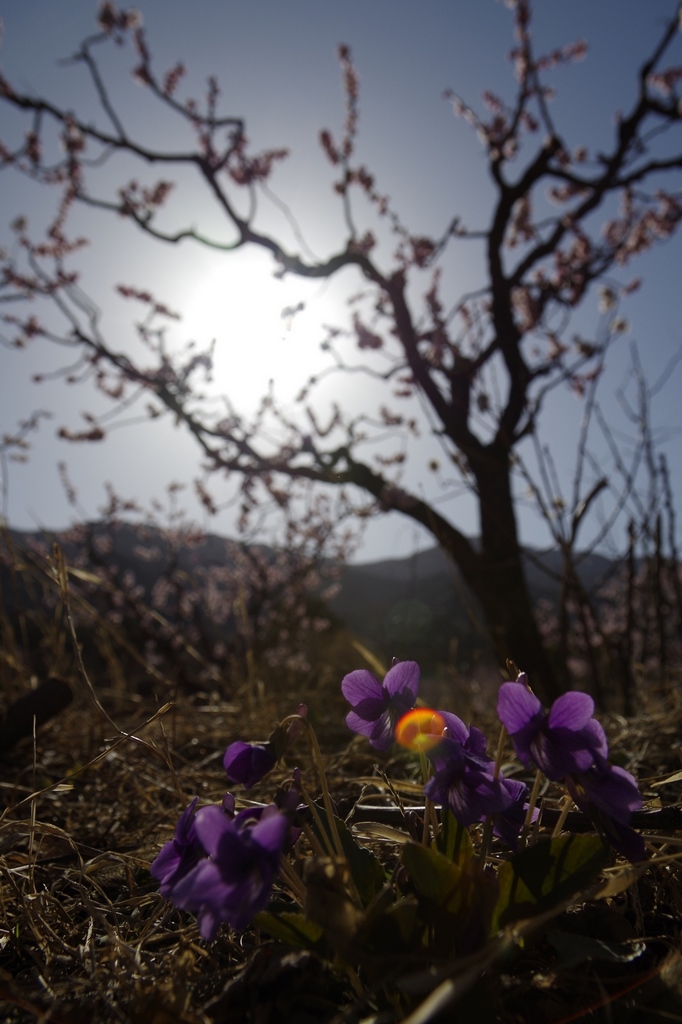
pixel 420 729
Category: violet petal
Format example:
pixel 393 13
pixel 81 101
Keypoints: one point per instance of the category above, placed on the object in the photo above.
pixel 361 685
pixel 403 680
pixel 571 711
pixel 517 707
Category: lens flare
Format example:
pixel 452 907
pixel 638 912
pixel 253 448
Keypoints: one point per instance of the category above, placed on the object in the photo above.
pixel 420 729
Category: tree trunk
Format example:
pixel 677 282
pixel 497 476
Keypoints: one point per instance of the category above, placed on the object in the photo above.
pixel 501 585
pixel 494 573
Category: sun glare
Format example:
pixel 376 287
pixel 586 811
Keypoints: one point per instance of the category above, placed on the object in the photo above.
pixel 420 729
pixel 265 329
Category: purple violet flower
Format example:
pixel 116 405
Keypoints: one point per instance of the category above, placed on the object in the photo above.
pixel 471 738
pixel 608 795
pixel 464 782
pixel 377 706
pixel 504 799
pixel 569 744
pixel 565 741
pixel 180 854
pixel 287 800
pixel 507 824
pixel 247 763
pixel 234 881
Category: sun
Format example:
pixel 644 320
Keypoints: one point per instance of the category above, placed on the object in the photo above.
pixel 265 329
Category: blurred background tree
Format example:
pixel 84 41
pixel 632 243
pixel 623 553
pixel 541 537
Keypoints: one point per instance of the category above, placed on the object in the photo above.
pixel 475 369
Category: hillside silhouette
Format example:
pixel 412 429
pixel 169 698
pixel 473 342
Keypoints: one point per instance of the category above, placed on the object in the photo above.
pixel 416 607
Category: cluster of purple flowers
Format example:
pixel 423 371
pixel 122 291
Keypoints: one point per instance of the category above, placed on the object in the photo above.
pixel 220 865
pixel 464 777
pixel 375 706
pixel 566 743
pixel 570 746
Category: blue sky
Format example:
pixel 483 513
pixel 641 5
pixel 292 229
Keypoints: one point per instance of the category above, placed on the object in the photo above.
pixel 277 68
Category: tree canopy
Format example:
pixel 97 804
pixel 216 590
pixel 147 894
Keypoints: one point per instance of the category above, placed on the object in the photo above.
pixel 482 365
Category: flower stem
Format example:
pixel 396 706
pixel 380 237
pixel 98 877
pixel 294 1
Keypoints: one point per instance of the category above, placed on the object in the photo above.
pixel 488 827
pixel 459 832
pixel 532 801
pixel 500 752
pixel 326 798
pixel 429 808
pixel 567 804
pixel 485 841
pixel 332 837
pixel 315 844
pixel 292 880
pixel 330 850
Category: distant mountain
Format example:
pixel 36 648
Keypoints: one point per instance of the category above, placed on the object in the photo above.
pixel 416 607
pixel 419 607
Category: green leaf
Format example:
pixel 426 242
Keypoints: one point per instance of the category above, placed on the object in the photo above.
pixel 393 930
pixel 365 868
pixel 456 900
pixel 435 876
pixel 293 929
pixel 453 839
pixel 546 874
